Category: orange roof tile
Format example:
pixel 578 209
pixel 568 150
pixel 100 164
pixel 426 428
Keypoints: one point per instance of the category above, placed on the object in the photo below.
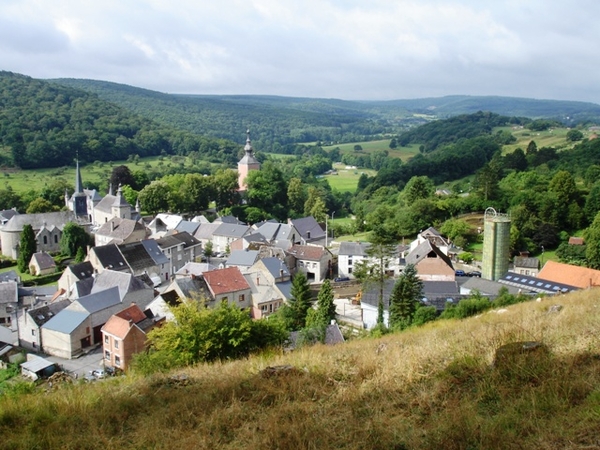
pixel 117 326
pixel 581 277
pixel 133 313
pixel 223 281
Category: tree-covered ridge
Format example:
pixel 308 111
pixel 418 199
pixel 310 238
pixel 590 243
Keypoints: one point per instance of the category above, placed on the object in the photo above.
pixel 276 122
pixel 43 124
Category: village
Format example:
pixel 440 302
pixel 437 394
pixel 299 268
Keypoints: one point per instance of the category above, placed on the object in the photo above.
pixel 98 315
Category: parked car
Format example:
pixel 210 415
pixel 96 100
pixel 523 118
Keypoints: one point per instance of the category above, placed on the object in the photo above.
pixel 460 273
pixel 98 373
pixel 475 273
pixel 340 279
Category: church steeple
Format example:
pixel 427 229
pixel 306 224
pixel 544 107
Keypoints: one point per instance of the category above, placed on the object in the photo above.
pixel 247 163
pixel 78 183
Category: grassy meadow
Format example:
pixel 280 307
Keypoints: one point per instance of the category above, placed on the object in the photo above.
pixel 434 387
pixel 403 153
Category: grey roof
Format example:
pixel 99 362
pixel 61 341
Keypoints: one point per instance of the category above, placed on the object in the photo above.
pixel 43 260
pixel 39 291
pixel 194 268
pixel 9 275
pixel 82 270
pixel 207 230
pixel 434 292
pixel 487 287
pixel 120 199
pixel 110 257
pixel 422 251
pixel 229 219
pixel 9 292
pixel 534 284
pixel 118 228
pixel 155 252
pixel 44 313
pixel 97 301
pixel 531 263
pixel 175 239
pixel 286 288
pixel 188 226
pixel 37 221
pixel 136 256
pixel 66 321
pixel 308 226
pixel 354 248
pixel 83 287
pixel 36 364
pixel 105 205
pixel 242 258
pixel 124 281
pixel 255 237
pixel 274 266
pixel 231 230
pixel 6 214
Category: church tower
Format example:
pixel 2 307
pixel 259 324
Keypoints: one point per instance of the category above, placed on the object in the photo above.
pixel 78 201
pixel 246 164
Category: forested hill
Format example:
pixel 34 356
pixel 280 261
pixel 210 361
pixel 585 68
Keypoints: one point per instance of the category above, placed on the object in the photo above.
pixel 44 124
pixel 279 122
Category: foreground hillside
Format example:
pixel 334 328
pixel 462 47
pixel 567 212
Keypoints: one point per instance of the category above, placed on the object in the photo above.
pixel 428 388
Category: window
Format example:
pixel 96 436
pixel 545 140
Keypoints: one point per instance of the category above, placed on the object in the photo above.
pixel 179 257
pixel 45 240
pixel 56 239
pixel 116 344
pixel 117 361
pixel 33 332
pixel 349 269
pixel 350 261
pixel 242 298
pixel 106 340
pixel 107 355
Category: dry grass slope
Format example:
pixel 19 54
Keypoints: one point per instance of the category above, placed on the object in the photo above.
pixel 429 388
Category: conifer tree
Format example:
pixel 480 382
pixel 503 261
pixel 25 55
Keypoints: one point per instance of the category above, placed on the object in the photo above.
pixel 300 301
pixel 27 247
pixel 405 296
pixel 325 307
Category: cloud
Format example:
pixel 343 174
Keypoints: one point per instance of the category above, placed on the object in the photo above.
pixel 328 48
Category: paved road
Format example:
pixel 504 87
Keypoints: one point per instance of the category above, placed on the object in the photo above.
pixel 82 365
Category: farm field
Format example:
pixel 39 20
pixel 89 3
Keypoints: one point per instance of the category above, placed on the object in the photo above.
pixel 555 137
pixel 403 153
pixel 346 180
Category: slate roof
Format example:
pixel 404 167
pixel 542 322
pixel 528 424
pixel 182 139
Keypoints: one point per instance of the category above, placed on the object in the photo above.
pixel 354 248
pixel 422 250
pixel 7 214
pixel 244 258
pixel 83 287
pixel 581 277
pixel 155 252
pixel 9 275
pixel 535 284
pixel 432 292
pixel 66 321
pixel 187 226
pixel 43 260
pixel 255 238
pixel 123 228
pixel 82 270
pixel 231 230
pixel 527 262
pixel 44 313
pixel 207 230
pixel 224 281
pixel 487 287
pixel 307 252
pixel 274 266
pixel 105 205
pixel 97 301
pixel 9 292
pixel 173 240
pixel 308 226
pixel 229 219
pixel 37 221
pixel 110 257
pixel 136 255
pixel 194 268
pixel 125 282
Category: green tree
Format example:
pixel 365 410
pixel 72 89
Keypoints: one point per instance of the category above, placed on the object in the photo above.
pixel 406 294
pixel 325 311
pixel 74 238
pixel 226 188
pixel 154 198
pixel 418 188
pixel 40 205
pixel 27 247
pixel 208 250
pixel 267 189
pixel 574 135
pixel 531 148
pixel 296 196
pixel 457 230
pixel 80 256
pixel 592 244
pixel 299 302
pixel 121 176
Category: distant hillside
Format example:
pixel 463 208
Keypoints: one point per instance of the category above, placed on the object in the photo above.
pixel 435 387
pixel 44 124
pixel 279 122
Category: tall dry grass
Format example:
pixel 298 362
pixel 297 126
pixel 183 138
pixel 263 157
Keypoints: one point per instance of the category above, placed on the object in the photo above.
pixel 427 388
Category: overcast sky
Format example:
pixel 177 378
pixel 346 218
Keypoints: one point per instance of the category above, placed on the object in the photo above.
pixel 348 49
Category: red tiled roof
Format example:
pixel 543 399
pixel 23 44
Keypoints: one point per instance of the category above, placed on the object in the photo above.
pixel 581 277
pixel 223 281
pixel 133 313
pixel 576 240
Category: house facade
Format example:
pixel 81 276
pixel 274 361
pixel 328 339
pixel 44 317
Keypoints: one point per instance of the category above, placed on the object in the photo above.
pixel 229 285
pixel 179 248
pixel 312 260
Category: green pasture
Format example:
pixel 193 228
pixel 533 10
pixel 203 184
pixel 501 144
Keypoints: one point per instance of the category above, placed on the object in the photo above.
pixel 403 153
pixel 555 137
pixel 346 180
pixel 96 173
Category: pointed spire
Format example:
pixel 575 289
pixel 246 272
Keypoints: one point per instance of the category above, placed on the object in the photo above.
pixel 110 190
pixel 248 147
pixel 138 208
pixel 78 183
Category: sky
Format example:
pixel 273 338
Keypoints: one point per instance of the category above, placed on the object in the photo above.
pixel 346 49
